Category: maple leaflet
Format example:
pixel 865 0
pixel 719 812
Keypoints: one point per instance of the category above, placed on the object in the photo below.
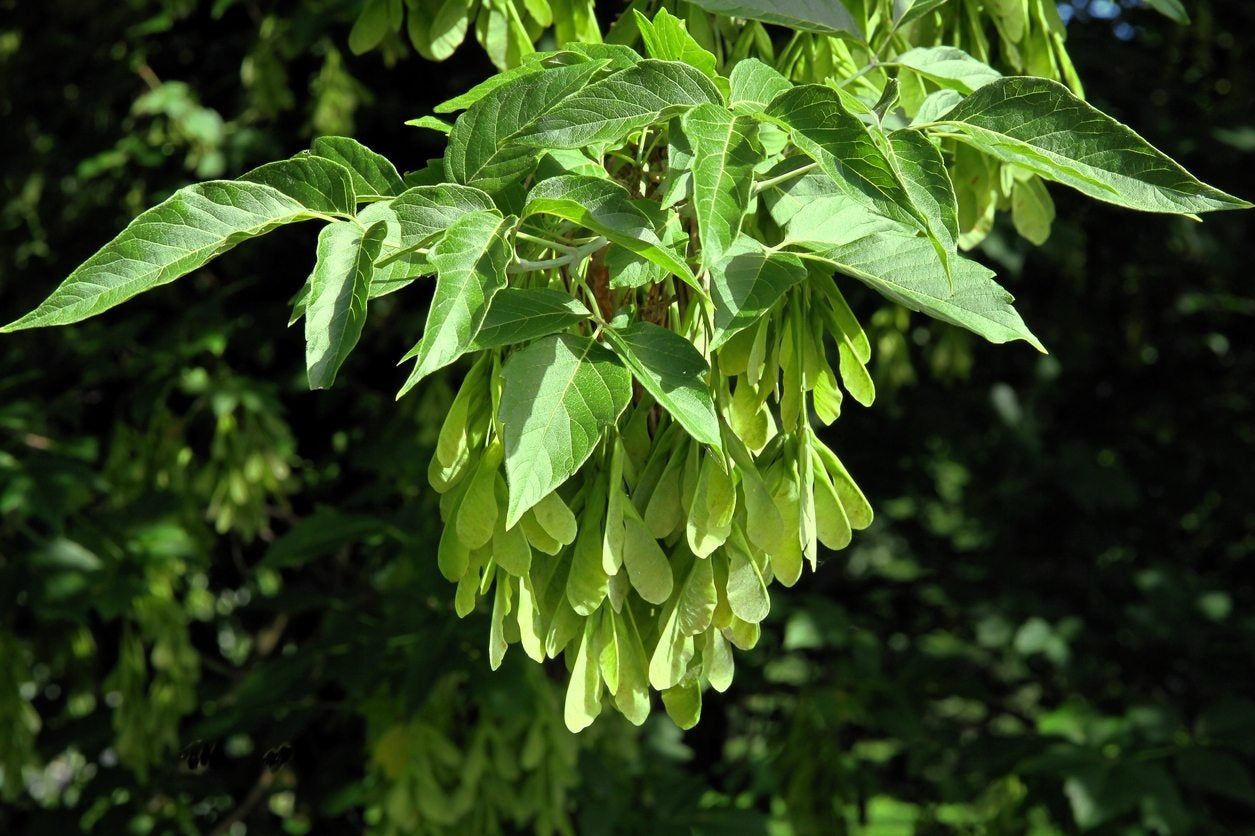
pixel 644 263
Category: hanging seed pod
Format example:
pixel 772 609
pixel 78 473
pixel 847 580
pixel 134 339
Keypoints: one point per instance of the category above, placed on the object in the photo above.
pixel 712 508
pixel 477 512
pixel 510 547
pixel 588 584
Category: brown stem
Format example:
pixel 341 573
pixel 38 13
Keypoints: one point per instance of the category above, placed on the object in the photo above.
pixel 599 281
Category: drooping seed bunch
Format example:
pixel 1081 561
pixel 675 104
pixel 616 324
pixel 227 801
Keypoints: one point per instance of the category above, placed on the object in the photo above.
pixel 655 558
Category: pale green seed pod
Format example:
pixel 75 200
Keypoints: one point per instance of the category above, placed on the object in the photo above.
pixel 587 584
pixel 665 512
pixel 632 695
pixel 710 516
pixel 646 564
pixel 750 419
pixel 452 555
pixel 510 548
pixel 833 526
pixel 718 666
pixel 584 690
pixel 684 702
pixel 785 485
pixel 477 513
pixel 501 605
pixel 857 508
pixel 746 589
pixel 530 624
pixel 556 518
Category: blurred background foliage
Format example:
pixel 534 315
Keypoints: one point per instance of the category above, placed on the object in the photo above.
pixel 219 609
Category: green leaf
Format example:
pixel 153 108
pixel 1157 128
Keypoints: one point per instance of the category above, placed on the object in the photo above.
pixel 688 613
pixel 519 315
pixel 814 208
pixel 559 395
pixel 534 63
pixel 908 11
pixel 844 149
pixel 921 169
pixel 1040 126
pixel 373 175
pixel 892 260
pixel 606 208
pixel 726 151
pixel 1171 9
pixel 425 212
pixel 339 289
pixel 904 269
pixel 480 152
pixel 949 67
pixel 674 372
pixel 747 283
pixel 372 25
pixel 754 85
pixel 438 35
pixel 431 123
pixel 609 110
pixel 398 272
pixel 583 695
pixel 1032 209
pixel 470 262
pixel 620 56
pixel 667 39
pixel 888 98
pixel 935 106
pixel 172 239
pixel 829 17
pixel 317 184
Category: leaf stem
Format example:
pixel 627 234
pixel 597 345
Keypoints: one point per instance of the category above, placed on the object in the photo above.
pixel 763 185
pixel 850 79
pixel 575 256
pixel 545 242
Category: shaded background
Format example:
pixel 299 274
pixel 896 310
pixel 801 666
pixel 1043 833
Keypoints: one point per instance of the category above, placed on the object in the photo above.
pixel 218 601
